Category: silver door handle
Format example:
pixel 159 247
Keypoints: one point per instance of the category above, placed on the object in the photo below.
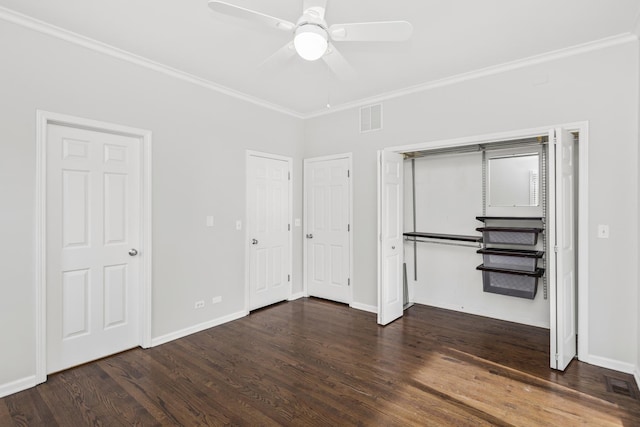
pixel 309 236
pixel 254 241
pixel 133 252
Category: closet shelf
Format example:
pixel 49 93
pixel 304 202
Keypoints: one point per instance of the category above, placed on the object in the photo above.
pixel 509 218
pixel 539 272
pixel 439 236
pixel 526 253
pixel 512 229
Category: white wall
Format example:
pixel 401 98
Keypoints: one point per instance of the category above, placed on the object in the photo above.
pixel 448 198
pixel 599 86
pixel 199 142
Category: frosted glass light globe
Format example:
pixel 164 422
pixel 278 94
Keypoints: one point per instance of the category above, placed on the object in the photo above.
pixel 310 41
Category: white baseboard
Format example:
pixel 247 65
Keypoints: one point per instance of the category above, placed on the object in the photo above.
pixel 17 385
pixel 197 328
pixel 523 321
pixel 297 296
pixel 636 375
pixel 364 307
pixel 616 365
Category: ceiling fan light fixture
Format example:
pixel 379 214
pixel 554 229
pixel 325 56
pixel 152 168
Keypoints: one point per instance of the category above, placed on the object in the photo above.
pixel 310 41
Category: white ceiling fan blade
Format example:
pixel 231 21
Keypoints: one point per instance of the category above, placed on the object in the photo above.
pixel 338 64
pixel 315 8
pixel 281 56
pixel 250 15
pixel 386 31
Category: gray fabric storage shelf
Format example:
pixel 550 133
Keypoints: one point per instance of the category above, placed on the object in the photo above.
pixel 510 235
pixel 516 259
pixel 513 283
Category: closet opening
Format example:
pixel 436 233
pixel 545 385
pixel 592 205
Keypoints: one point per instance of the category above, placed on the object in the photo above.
pixel 488 226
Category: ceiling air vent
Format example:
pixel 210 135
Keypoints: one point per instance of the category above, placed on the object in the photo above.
pixel 371 118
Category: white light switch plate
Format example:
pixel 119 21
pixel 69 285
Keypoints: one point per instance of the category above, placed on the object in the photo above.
pixel 210 221
pixel 297 222
pixel 603 231
pixel 238 225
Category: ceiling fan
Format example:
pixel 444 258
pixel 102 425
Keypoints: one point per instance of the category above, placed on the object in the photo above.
pixel 313 38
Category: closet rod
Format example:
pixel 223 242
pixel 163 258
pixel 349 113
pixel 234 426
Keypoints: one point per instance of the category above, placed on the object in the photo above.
pixel 439 242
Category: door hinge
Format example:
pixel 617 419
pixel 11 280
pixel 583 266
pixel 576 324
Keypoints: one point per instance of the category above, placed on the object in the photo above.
pixel 288 277
pixel 556 356
pixel 348 173
pixel 555 249
pixel 288 227
pixel 289 176
pixel 349 282
pixel 348 227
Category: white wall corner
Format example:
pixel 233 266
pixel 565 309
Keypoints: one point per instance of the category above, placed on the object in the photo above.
pixel 636 25
pixel 197 328
pixel 636 375
pixel 296 296
pixel 17 385
pixel 364 307
pixel 616 365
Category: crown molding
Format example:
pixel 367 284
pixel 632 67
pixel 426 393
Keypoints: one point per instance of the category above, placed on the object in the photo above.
pixel 95 45
pixel 104 48
pixel 484 72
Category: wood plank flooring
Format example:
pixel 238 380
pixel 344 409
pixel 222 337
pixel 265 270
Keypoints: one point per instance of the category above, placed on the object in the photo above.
pixel 313 362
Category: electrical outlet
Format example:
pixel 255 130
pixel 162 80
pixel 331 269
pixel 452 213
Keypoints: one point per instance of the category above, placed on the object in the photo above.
pixel 216 300
pixel 199 304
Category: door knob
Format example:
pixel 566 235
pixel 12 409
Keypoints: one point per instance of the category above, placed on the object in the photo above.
pixel 254 241
pixel 133 252
pixel 393 247
pixel 309 236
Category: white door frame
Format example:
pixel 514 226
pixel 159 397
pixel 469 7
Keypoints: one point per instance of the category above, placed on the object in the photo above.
pixel 583 205
pixel 43 119
pixel 247 252
pixel 349 158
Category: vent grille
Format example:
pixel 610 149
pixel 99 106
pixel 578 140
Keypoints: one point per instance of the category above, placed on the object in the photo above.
pixel 618 386
pixel 371 118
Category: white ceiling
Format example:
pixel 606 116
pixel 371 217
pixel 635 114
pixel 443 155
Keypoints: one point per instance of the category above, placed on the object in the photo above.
pixel 451 37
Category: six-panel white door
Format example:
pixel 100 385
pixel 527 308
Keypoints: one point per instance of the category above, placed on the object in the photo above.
pixel 390 243
pixel 93 214
pixel 327 205
pixel 268 229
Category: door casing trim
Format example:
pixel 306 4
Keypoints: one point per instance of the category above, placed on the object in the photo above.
pixel 43 119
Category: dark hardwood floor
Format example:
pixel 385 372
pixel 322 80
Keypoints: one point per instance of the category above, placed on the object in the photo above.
pixel 313 362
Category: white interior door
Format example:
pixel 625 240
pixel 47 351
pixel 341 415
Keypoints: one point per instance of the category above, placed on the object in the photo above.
pixel 562 250
pixel 93 222
pixel 268 229
pixel 390 243
pixel 327 212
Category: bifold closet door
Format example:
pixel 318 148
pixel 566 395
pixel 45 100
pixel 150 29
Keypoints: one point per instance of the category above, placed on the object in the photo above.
pixel 562 251
pixel 390 242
